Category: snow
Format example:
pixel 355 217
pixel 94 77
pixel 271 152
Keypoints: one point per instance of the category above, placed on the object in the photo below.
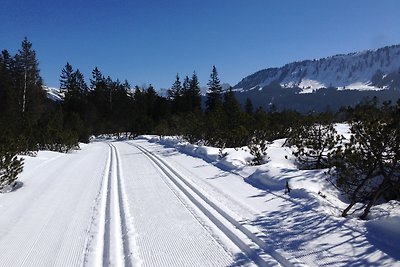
pixel 362 86
pixel 164 202
pixel 54 94
pixel 385 234
pixel 309 86
pixel 304 224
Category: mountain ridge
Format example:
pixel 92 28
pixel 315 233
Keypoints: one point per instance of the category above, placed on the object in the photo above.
pixel 376 69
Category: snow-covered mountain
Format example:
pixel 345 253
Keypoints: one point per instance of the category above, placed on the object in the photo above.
pixel 54 94
pixel 368 70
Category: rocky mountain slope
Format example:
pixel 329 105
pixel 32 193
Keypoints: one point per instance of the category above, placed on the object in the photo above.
pixel 368 70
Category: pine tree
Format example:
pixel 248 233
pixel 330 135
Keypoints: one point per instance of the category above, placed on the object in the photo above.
pixel 29 81
pixel 31 96
pixel 10 167
pixel 97 80
pixel 67 79
pixel 8 95
pixel 175 95
pixel 312 144
pixel 214 100
pixel 248 107
pixel 232 126
pixel 194 92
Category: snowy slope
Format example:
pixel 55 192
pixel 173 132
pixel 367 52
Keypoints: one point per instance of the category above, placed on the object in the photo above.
pixel 54 94
pixel 369 70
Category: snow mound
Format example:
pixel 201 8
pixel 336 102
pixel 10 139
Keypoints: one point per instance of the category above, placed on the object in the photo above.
pixel 385 234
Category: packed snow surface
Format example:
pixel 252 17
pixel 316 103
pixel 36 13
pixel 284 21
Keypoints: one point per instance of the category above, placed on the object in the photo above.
pixel 163 202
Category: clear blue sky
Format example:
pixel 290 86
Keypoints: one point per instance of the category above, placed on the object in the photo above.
pixel 148 41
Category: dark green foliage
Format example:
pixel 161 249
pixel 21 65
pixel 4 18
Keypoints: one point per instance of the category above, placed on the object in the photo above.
pixel 368 167
pixel 28 82
pixel 175 95
pixel 313 143
pixel 28 120
pixel 248 107
pixel 10 167
pixel 214 101
pixel 258 147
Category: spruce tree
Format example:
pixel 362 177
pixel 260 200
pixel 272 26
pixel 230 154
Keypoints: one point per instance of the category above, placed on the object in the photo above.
pixel 29 82
pixel 175 95
pixel 232 125
pixel 31 96
pixel 8 94
pixel 194 92
pixel 214 100
pixel 248 107
pixel 67 79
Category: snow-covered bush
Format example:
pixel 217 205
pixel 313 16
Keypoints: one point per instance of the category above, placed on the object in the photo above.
pixel 258 147
pixel 10 167
pixel 312 144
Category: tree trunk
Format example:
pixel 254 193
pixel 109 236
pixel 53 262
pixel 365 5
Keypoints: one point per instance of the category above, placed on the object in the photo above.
pixel 24 92
pixel 346 210
pixel 355 192
pixel 377 195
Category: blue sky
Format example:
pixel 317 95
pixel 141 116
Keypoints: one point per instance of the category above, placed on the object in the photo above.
pixel 148 41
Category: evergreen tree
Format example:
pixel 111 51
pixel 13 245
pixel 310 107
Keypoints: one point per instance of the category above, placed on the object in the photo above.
pixel 185 85
pixel 249 109
pixel 8 95
pixel 10 167
pixel 369 167
pixel 29 82
pixel 313 143
pixel 232 126
pixel 175 95
pixel 194 93
pixel 75 101
pixel 31 96
pixel 97 79
pixel 213 101
pixel 67 79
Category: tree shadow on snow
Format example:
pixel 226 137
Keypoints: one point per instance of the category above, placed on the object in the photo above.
pixel 316 238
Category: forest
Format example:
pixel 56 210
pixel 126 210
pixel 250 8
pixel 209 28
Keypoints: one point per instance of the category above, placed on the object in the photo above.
pixel 366 167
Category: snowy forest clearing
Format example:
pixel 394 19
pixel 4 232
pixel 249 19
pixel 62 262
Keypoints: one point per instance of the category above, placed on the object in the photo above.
pixel 140 203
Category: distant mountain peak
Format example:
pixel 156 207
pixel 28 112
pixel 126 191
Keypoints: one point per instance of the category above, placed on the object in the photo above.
pixel 376 69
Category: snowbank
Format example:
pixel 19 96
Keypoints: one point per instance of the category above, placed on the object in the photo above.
pixel 280 170
pixel 384 233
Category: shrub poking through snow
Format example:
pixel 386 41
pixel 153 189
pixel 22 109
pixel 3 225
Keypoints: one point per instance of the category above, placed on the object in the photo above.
pixel 312 144
pixel 10 167
pixel 258 147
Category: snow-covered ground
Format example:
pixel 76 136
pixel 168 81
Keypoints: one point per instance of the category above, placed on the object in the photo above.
pixel 162 202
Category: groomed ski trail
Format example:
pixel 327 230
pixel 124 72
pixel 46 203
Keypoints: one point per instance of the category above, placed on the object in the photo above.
pixel 46 221
pixel 111 245
pixel 248 242
pixel 167 233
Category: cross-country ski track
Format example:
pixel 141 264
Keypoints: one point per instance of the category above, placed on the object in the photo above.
pixel 119 204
